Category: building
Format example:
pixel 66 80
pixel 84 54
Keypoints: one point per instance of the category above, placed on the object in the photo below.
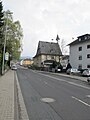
pixel 47 52
pixel 80 52
pixel 26 62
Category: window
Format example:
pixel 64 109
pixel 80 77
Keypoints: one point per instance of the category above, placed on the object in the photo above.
pixel 52 57
pixel 88 46
pixel 80 66
pixel 80 57
pixel 88 55
pixel 80 49
pixel 88 66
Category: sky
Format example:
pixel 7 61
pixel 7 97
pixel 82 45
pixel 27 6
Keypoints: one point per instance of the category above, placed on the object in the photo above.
pixel 42 20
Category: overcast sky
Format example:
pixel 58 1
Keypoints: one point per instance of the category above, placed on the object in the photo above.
pixel 42 20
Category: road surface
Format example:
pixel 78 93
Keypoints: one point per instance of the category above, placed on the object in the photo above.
pixel 53 97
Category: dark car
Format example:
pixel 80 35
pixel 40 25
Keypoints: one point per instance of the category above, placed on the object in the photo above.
pixel 59 68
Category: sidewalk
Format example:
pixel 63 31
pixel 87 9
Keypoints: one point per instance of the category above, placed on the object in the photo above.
pixel 7 96
pixel 12 105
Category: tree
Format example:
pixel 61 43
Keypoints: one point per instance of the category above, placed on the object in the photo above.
pixel 64 47
pixel 1 34
pixel 14 36
pixel 1 24
pixel 68 66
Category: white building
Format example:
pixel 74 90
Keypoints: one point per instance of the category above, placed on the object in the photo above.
pixel 80 52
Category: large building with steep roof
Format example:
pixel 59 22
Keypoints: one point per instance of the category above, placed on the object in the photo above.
pixel 47 51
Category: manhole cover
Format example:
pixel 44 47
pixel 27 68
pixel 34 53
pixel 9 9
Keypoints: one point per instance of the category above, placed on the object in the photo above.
pixel 48 100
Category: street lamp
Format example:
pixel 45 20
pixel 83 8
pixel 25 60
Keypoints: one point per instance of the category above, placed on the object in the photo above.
pixel 3 63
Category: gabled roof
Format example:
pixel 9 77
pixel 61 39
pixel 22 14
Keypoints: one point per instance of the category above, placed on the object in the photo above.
pixel 48 48
pixel 81 39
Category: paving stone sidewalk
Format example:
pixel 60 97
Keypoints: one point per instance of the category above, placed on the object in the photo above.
pixel 7 96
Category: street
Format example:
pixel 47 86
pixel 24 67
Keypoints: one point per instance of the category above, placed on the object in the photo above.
pixel 50 96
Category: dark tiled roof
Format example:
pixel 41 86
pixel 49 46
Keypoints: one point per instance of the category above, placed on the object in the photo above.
pixel 48 48
pixel 81 39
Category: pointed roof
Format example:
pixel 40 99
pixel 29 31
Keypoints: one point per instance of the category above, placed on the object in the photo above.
pixel 48 48
pixel 57 38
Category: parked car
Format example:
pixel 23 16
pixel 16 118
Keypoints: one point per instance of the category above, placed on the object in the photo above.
pixel 86 72
pixel 14 67
pixel 58 68
pixel 81 70
pixel 73 71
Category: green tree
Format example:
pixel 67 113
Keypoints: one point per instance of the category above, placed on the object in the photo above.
pixel 14 35
pixel 1 34
pixel 1 24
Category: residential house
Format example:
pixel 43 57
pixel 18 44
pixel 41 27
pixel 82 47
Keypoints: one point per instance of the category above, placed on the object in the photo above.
pixel 47 52
pixel 80 52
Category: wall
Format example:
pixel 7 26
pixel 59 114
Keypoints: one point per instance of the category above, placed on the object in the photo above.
pixel 74 55
pixel 39 59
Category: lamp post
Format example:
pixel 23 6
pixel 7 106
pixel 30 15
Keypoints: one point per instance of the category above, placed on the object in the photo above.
pixel 3 62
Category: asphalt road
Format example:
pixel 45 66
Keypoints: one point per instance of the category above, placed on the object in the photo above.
pixel 53 97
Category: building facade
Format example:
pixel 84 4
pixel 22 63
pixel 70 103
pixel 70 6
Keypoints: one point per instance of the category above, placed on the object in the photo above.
pixel 47 51
pixel 26 62
pixel 80 52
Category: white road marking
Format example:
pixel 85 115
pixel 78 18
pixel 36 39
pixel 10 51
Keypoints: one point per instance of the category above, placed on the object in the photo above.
pixel 78 85
pixel 81 101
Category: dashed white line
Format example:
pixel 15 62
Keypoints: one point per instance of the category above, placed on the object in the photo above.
pixel 81 101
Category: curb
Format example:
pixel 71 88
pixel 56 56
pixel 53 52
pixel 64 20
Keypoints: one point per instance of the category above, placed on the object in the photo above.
pixel 21 109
